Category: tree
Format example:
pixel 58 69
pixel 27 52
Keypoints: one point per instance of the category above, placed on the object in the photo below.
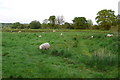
pixel 59 20
pixel 26 26
pixel 35 25
pixel 67 25
pixel 80 23
pixel 17 25
pixel 45 24
pixel 106 18
pixel 52 20
pixel 45 21
pixel 90 23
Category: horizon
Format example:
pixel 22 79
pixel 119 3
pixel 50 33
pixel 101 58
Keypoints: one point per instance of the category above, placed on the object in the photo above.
pixel 25 11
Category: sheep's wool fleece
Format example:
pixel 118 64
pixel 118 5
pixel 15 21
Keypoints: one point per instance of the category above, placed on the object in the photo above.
pixel 109 35
pixel 44 46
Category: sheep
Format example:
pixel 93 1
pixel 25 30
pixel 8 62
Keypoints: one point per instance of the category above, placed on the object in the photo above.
pixel 109 35
pixel 54 30
pixel 61 34
pixel 91 36
pixel 39 36
pixel 19 31
pixel 43 32
pixel 44 46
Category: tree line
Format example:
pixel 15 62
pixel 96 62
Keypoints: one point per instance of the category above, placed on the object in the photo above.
pixel 105 19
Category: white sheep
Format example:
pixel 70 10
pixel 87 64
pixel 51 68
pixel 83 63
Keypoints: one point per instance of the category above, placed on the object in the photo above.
pixel 54 30
pixel 61 34
pixel 39 36
pixel 91 36
pixel 19 31
pixel 44 46
pixel 109 35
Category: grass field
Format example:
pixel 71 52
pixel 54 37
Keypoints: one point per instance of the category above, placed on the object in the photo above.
pixel 72 55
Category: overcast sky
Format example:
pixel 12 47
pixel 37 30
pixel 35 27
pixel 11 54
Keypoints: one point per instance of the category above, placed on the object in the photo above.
pixel 25 11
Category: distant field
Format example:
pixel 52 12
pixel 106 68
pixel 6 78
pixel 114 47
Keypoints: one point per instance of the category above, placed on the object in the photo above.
pixel 72 55
pixel 51 30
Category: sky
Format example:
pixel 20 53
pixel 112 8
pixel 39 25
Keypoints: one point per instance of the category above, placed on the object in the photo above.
pixel 25 11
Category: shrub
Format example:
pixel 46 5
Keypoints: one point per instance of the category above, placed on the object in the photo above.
pixel 95 27
pixel 17 25
pixel 35 25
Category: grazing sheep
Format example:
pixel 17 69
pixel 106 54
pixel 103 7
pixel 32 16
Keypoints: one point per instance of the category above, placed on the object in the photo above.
pixel 40 36
pixel 91 36
pixel 54 30
pixel 44 46
pixel 109 35
pixel 43 32
pixel 19 31
pixel 61 34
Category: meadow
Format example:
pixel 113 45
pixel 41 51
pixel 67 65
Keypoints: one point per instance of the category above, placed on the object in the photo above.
pixel 73 55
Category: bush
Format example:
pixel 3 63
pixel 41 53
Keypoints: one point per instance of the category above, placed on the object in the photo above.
pixel 95 27
pixel 35 25
pixel 17 25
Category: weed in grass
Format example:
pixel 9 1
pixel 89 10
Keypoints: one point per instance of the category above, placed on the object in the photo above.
pixel 4 54
pixel 61 52
pixel 75 43
pixel 55 52
pixel 67 54
pixel 102 61
pixel 75 38
pixel 51 42
pixel 69 61
pixel 64 40
pixel 44 51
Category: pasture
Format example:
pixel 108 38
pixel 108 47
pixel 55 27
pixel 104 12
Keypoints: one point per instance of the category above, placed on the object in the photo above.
pixel 71 55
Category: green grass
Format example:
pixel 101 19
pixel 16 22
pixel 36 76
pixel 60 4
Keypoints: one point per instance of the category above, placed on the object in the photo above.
pixel 72 55
pixel 51 30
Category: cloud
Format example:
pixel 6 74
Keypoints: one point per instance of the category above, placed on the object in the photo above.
pixel 28 10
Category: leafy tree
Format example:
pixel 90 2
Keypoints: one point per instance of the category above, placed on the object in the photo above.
pixel 45 21
pixel 26 26
pixel 45 26
pixel 52 20
pixel 35 25
pixel 59 20
pixel 67 25
pixel 106 18
pixel 80 23
pixel 17 25
pixel 90 23
pixel 95 27
pixel 21 26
